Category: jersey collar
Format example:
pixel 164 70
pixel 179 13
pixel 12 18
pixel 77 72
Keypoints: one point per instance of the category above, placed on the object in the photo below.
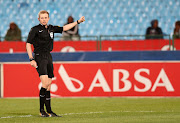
pixel 43 25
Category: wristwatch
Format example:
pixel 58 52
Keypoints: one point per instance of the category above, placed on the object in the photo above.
pixel 31 59
pixel 78 22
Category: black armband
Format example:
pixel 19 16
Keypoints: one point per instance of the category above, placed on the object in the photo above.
pixel 78 22
pixel 31 59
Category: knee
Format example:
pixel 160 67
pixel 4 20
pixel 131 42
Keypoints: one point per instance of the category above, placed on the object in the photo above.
pixel 46 84
pixel 45 81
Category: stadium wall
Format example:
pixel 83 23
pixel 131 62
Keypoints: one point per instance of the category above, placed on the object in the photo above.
pixel 103 45
pixel 0 80
pixel 96 74
pixel 100 56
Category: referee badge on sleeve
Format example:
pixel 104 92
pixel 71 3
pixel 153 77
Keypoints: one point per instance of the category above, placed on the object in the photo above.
pixel 51 35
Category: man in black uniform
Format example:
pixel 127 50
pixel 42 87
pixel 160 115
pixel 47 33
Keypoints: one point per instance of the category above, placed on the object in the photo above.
pixel 42 36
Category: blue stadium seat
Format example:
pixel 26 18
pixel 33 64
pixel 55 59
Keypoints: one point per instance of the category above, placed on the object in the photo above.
pixel 103 17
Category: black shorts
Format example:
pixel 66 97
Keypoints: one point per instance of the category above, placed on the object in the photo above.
pixel 44 63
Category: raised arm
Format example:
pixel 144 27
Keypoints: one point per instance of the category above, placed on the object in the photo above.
pixel 71 25
pixel 74 31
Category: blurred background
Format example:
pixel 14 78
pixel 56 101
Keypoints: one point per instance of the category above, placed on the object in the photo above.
pixel 114 30
pixel 103 17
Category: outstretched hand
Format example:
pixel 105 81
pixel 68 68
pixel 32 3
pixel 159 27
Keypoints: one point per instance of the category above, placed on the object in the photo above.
pixel 71 25
pixel 82 19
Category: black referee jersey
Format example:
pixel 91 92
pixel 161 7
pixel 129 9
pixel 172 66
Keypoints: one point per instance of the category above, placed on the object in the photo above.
pixel 42 38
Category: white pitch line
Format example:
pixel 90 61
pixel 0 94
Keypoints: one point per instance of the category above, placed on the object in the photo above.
pixel 85 113
pixel 16 116
pixel 82 113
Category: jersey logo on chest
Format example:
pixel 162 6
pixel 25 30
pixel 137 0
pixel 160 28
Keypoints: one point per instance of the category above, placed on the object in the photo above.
pixel 40 30
pixel 51 35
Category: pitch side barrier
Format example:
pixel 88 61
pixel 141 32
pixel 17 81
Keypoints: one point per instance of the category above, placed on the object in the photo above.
pixel 99 56
pixel 135 42
pixel 102 43
pixel 95 74
pixel 0 81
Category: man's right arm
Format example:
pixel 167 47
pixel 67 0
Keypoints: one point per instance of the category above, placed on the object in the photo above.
pixel 29 51
pixel 29 42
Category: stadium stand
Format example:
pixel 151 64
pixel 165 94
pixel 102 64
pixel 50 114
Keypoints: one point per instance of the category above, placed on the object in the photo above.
pixel 103 17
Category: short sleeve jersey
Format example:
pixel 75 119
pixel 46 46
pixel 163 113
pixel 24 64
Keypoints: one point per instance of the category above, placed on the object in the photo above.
pixel 42 38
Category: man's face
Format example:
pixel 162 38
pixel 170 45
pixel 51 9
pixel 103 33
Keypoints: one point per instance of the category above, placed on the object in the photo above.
pixel 43 19
pixel 177 26
pixel 12 26
pixel 70 20
pixel 155 24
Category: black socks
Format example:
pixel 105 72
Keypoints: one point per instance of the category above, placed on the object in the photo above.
pixel 45 98
pixel 48 102
pixel 42 98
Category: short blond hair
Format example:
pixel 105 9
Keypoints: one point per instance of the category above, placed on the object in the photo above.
pixel 43 12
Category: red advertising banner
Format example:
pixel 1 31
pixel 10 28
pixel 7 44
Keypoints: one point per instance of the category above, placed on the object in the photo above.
pixel 106 45
pixel 126 45
pixel 101 79
pixel 177 44
pixel 59 46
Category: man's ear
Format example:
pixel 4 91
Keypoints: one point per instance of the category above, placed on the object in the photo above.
pixel 38 19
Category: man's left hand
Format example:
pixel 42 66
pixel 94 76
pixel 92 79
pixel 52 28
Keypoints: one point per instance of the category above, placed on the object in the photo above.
pixel 82 19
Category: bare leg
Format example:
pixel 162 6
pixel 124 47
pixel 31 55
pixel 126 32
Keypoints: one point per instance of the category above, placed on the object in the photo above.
pixel 45 81
pixel 48 96
pixel 42 94
pixel 49 86
pixel 48 100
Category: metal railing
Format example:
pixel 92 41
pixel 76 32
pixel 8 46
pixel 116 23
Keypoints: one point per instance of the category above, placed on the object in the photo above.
pixel 174 39
pixel 135 38
pixel 100 39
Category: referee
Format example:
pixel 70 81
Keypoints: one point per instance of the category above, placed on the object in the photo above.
pixel 41 37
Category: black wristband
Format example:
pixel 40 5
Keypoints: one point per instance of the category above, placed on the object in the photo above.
pixel 78 22
pixel 31 59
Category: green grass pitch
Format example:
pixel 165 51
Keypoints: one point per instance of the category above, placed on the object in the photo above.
pixel 93 110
